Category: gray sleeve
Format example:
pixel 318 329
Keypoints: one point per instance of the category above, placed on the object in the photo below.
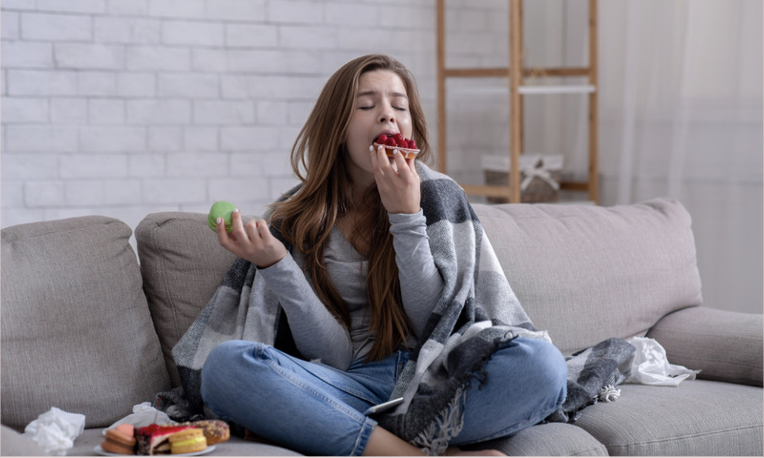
pixel 421 282
pixel 316 331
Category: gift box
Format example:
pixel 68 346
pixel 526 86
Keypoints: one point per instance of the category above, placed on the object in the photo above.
pixel 539 176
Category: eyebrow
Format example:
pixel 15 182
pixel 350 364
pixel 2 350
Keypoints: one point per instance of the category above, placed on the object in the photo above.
pixel 373 92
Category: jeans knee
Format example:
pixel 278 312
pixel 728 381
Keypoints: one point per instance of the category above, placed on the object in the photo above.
pixel 549 365
pixel 223 356
pixel 225 365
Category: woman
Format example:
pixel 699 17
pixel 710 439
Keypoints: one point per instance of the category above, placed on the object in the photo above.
pixel 353 258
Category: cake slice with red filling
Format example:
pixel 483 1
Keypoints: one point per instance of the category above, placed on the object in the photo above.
pixel 153 439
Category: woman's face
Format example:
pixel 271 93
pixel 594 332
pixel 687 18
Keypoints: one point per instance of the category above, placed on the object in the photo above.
pixel 381 107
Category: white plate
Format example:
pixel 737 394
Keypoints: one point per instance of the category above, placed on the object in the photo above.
pixel 207 450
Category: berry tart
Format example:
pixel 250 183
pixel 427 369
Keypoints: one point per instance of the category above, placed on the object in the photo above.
pixel 405 146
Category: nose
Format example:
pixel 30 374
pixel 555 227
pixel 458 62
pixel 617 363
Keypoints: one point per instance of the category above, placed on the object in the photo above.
pixel 386 115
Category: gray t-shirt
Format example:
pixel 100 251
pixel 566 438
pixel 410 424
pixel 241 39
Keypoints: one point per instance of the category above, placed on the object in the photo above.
pixel 317 333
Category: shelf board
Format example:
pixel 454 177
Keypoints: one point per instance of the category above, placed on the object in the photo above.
pixel 499 72
pixel 544 89
pixel 526 90
pixel 503 191
pixel 488 191
pixel 574 185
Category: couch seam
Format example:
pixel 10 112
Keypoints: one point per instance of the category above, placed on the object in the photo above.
pixel 689 436
pixel 163 276
pixel 591 452
pixel 679 330
pixel 713 360
pixel 66 231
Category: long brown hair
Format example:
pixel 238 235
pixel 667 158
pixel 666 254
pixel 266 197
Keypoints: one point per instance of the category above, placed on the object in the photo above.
pixel 319 159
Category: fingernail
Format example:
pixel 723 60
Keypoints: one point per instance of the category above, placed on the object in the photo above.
pixel 371 148
pixel 395 151
pixel 220 220
pixel 236 210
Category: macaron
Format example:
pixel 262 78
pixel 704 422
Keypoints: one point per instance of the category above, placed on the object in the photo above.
pixel 126 428
pixel 187 441
pixel 221 209
pixel 117 441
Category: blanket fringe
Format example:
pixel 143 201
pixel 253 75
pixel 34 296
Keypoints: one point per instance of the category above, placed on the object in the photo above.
pixel 446 425
pixel 609 394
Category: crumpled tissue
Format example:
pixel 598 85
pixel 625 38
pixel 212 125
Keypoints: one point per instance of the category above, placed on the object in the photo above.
pixel 55 430
pixel 143 415
pixel 651 366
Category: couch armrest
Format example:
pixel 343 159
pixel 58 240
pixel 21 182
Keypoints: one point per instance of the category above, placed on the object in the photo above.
pixel 725 346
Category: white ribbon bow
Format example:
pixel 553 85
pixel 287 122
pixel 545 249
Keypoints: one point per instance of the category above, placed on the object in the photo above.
pixel 537 170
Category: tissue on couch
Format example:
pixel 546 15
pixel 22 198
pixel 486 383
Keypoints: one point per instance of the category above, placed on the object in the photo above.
pixel 651 365
pixel 55 430
pixel 143 415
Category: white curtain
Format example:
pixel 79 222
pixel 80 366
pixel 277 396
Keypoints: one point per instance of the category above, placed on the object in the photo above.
pixel 681 116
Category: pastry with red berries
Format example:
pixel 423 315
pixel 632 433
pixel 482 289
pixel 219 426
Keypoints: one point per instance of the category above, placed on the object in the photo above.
pixel 405 146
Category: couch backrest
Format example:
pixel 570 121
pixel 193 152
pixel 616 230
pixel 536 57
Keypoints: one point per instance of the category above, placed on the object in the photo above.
pixel 76 330
pixel 182 264
pixel 586 273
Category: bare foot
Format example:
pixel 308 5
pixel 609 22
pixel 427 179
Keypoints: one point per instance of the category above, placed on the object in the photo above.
pixel 456 451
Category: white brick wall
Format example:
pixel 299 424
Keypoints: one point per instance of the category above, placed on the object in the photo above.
pixel 126 107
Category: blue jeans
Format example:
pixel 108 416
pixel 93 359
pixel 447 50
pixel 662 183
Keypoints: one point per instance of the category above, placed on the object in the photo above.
pixel 318 410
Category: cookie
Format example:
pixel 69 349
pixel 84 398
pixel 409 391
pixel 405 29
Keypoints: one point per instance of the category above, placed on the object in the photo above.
pixel 215 431
pixel 126 428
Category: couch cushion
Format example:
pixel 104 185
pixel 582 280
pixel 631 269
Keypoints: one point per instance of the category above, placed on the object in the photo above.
pixel 586 273
pixel 182 264
pixel 76 330
pixel 695 418
pixel 550 439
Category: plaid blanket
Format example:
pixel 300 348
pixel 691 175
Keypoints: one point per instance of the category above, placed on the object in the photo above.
pixel 477 311
pixel 593 374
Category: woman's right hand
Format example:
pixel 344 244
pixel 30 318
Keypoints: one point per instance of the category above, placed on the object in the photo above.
pixel 252 242
pixel 399 186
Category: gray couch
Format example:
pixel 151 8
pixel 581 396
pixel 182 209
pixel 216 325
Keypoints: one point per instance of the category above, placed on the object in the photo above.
pixel 88 328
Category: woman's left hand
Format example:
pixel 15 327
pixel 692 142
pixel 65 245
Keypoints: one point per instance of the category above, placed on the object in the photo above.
pixel 252 241
pixel 397 181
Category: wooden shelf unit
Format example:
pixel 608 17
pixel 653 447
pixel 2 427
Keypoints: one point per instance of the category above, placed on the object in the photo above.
pixel 516 73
